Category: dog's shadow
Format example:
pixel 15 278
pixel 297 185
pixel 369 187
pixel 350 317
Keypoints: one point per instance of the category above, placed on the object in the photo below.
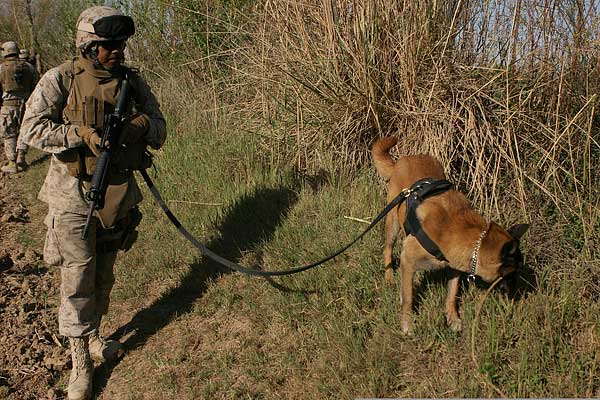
pixel 427 281
pixel 247 225
pixel 515 286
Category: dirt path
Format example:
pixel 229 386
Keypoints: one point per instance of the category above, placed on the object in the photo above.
pixel 32 355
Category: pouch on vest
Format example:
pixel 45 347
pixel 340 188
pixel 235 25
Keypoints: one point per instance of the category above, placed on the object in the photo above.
pixel 80 162
pixel 113 199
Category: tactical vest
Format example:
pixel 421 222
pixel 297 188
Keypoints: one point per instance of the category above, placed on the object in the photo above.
pixel 92 95
pixel 16 76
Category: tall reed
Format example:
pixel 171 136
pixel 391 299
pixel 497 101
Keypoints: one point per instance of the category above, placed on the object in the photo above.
pixel 502 92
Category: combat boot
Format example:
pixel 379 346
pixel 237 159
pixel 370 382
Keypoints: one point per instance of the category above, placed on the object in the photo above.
pixel 10 168
pixel 21 163
pixel 104 350
pixel 80 381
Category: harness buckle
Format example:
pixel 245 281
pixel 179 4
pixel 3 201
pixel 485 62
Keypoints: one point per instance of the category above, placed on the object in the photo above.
pixel 406 192
pixel 417 188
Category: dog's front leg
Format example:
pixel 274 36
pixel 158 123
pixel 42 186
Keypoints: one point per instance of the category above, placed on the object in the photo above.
pixel 452 317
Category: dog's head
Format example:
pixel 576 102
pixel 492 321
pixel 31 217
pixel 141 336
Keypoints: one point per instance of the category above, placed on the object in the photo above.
pixel 500 255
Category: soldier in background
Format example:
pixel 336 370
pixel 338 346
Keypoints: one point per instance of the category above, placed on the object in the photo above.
pixel 25 56
pixel 65 116
pixel 17 80
pixel 33 58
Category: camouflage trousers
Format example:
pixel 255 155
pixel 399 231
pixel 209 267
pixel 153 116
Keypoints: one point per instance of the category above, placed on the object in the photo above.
pixel 10 122
pixel 86 271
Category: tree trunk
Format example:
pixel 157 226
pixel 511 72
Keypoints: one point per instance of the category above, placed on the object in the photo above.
pixel 15 15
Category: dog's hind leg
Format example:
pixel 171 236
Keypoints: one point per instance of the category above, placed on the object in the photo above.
pixel 452 317
pixel 392 227
pixel 407 269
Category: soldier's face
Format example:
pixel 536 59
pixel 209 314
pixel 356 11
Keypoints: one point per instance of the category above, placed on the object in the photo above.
pixel 110 54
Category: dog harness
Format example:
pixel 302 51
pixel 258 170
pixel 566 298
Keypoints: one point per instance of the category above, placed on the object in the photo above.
pixel 419 192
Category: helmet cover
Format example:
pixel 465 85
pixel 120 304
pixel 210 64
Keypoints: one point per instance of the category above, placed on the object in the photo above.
pixel 9 49
pixel 24 54
pixel 102 24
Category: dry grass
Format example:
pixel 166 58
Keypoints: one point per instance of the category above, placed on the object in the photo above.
pixel 504 95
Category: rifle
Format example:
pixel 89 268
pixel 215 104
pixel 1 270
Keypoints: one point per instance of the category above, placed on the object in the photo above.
pixel 113 124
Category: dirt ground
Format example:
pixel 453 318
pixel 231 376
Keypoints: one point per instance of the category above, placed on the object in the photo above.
pixel 32 355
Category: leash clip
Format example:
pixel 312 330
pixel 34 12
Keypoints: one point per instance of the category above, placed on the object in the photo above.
pixel 471 278
pixel 406 192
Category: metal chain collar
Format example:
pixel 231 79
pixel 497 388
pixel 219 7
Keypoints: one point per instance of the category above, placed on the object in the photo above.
pixel 475 256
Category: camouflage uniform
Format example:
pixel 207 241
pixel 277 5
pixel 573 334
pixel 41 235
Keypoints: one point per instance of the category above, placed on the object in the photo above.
pixel 13 103
pixel 64 117
pixel 86 265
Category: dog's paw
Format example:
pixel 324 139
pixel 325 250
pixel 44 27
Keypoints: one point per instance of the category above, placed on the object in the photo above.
pixel 454 322
pixel 407 327
pixel 389 275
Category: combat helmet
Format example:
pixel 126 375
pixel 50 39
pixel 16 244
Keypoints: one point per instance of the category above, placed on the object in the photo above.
pixel 24 54
pixel 10 49
pixel 102 24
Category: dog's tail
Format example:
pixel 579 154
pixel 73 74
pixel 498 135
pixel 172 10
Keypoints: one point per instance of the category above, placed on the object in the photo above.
pixel 381 156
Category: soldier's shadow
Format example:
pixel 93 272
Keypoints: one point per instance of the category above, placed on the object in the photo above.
pixel 249 223
pixel 39 159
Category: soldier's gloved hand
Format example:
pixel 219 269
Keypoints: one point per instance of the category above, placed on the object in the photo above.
pixel 90 138
pixel 135 128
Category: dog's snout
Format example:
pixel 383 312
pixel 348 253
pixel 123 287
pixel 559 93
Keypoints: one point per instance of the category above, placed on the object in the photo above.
pixel 509 282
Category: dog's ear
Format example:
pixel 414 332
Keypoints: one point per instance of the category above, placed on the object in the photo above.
pixel 510 249
pixel 511 254
pixel 518 230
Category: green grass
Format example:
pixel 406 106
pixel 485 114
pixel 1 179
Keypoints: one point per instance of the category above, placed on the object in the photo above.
pixel 196 332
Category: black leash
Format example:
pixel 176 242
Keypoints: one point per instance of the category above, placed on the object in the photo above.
pixel 231 265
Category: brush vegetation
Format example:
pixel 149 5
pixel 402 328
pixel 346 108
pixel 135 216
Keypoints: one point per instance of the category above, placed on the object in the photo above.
pixel 272 106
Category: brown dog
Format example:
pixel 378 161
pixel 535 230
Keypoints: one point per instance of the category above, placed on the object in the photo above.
pixel 467 241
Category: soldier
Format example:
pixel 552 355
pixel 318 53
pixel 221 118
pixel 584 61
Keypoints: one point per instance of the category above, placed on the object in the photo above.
pixel 32 58
pixel 17 80
pixel 24 55
pixel 64 116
